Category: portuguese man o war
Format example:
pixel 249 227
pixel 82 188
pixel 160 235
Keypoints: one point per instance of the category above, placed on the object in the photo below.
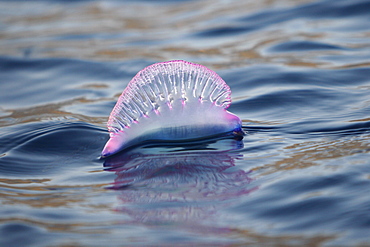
pixel 174 101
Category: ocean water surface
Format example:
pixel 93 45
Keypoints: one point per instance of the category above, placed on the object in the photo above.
pixel 299 72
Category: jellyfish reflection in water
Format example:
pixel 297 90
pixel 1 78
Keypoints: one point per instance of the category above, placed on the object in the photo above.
pixel 186 184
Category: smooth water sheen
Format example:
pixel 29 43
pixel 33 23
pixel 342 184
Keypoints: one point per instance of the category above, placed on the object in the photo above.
pixel 299 72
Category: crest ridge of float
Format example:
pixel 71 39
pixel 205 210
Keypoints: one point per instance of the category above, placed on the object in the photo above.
pixel 162 85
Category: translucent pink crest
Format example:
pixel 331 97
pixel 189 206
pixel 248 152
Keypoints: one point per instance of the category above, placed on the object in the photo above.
pixel 161 85
pixel 174 100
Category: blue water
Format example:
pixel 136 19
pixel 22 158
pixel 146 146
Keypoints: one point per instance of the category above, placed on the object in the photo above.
pixel 300 76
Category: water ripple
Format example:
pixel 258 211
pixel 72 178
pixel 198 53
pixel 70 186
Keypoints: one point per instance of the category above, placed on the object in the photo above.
pixel 299 73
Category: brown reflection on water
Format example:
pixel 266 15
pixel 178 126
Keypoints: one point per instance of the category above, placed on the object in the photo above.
pixel 281 240
pixel 134 30
pixel 37 193
pixel 51 111
pixel 313 153
pixel 81 228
